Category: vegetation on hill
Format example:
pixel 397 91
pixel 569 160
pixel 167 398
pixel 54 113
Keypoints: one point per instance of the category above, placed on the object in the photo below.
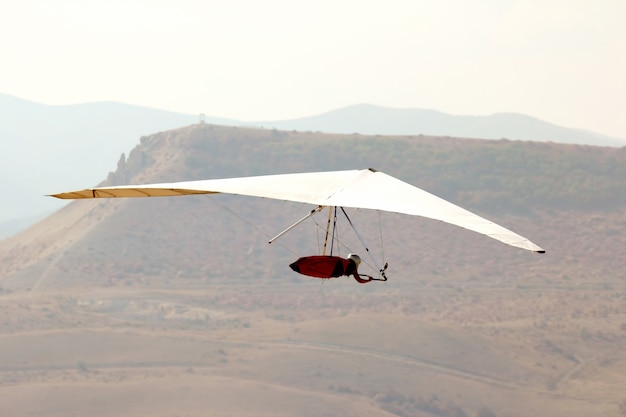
pixel 541 184
pixel 493 176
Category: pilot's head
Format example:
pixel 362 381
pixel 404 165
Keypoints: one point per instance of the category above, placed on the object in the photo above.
pixel 356 258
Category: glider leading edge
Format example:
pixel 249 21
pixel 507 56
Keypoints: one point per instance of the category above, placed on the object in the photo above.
pixel 366 188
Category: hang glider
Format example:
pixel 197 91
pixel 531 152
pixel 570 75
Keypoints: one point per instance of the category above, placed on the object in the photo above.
pixel 367 188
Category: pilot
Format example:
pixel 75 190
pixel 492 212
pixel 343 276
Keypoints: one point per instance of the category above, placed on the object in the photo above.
pixel 330 267
pixel 350 265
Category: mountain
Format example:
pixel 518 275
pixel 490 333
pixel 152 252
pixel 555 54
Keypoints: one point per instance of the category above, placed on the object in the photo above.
pixel 371 120
pixel 180 302
pixel 47 148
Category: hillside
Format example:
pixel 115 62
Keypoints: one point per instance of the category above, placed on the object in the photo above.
pixel 181 302
pixel 528 182
pixel 67 146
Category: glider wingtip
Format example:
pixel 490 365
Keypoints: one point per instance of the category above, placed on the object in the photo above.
pixel 540 251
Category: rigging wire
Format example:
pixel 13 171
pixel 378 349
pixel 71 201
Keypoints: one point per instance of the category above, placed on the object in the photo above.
pixel 426 249
pixel 336 238
pixel 321 229
pixel 344 244
pixel 340 242
pixel 241 218
pixel 335 233
pixel 380 231
pixel 367 250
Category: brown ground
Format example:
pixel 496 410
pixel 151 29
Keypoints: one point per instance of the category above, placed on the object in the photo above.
pixel 177 307
pixel 324 349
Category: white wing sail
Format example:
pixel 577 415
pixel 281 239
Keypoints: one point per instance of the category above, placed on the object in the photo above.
pixel 365 188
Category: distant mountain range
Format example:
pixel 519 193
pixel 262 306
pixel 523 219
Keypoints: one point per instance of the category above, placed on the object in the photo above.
pixel 50 148
pixel 375 120
pixel 44 147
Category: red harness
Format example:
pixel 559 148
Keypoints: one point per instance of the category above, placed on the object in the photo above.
pixel 327 267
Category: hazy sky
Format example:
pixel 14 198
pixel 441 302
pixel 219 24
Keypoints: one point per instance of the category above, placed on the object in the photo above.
pixel 563 61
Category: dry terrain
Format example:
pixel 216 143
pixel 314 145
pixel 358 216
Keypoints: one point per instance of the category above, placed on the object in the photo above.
pixel 318 349
pixel 178 307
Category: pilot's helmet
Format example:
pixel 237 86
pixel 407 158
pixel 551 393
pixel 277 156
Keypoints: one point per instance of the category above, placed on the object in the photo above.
pixel 356 258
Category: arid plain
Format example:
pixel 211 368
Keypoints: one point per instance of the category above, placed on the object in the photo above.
pixel 179 307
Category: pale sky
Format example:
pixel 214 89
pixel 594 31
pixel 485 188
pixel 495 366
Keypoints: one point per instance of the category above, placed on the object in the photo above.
pixel 563 61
